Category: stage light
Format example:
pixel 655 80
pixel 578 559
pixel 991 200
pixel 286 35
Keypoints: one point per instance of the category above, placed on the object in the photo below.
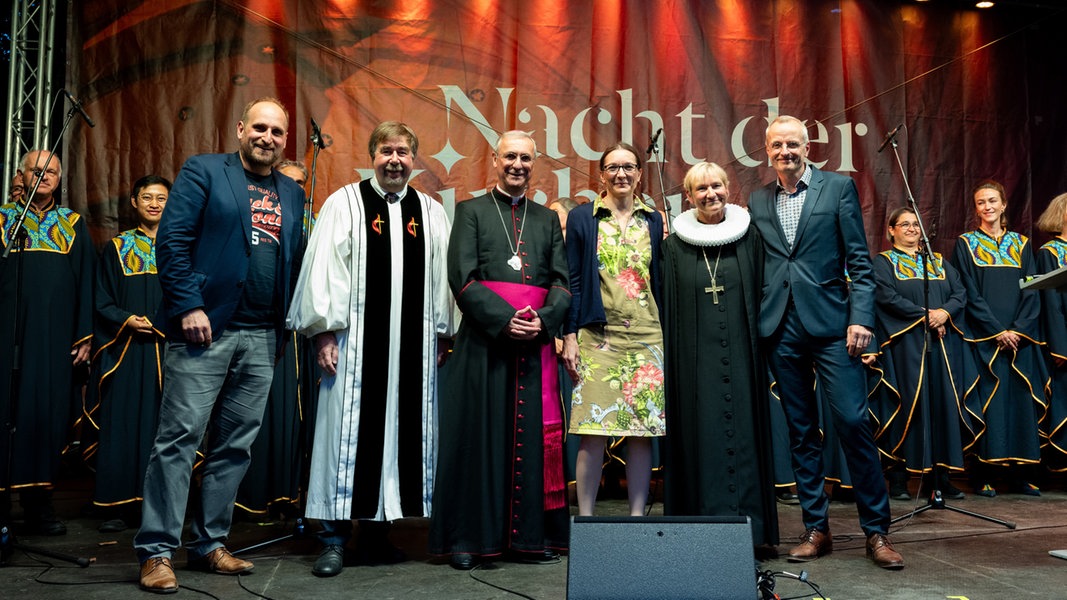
pixel 984 4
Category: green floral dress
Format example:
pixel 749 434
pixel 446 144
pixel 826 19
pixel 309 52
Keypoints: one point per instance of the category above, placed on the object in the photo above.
pixel 620 365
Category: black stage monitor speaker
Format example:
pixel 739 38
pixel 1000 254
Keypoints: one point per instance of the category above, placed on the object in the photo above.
pixel 624 558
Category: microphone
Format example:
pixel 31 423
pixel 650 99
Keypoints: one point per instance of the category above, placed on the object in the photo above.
pixel 78 107
pixel 889 137
pixel 316 136
pixel 652 142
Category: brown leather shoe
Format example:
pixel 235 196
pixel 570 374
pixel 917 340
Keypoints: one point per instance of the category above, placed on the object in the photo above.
pixel 157 575
pixel 880 550
pixel 813 544
pixel 222 562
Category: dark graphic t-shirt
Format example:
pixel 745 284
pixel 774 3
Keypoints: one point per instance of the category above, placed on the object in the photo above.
pixel 258 302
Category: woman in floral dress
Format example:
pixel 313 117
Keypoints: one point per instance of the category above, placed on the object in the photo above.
pixel 612 345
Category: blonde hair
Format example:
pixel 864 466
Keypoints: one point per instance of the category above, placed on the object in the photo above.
pixel 1053 220
pixel 700 171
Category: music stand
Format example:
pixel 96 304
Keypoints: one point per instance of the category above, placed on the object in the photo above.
pixel 1053 280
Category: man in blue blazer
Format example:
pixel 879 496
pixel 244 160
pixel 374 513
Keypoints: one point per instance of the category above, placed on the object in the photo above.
pixel 816 319
pixel 226 249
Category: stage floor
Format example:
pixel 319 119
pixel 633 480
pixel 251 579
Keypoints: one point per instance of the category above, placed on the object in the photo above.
pixel 947 555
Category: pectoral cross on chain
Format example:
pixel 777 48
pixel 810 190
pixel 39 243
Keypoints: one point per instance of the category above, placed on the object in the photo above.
pixel 714 291
pixel 715 287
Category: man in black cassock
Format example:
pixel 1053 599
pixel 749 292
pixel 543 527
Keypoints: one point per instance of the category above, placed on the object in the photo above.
pixel 52 327
pixel 499 486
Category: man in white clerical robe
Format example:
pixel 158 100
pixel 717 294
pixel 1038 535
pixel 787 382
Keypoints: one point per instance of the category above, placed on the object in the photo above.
pixel 373 296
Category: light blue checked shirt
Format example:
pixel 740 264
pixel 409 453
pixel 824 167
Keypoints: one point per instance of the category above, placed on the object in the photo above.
pixel 790 205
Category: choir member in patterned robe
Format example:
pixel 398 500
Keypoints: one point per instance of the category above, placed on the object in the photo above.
pixel 1003 326
pixel 127 377
pixel 48 276
pixel 923 424
pixel 1050 257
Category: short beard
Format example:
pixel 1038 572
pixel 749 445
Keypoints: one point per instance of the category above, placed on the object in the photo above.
pixel 248 153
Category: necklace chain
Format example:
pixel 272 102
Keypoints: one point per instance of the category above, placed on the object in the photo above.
pixel 507 234
pixel 522 225
pixel 708 264
pixel 715 287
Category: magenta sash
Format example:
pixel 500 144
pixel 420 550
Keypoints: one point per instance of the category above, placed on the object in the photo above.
pixel 519 295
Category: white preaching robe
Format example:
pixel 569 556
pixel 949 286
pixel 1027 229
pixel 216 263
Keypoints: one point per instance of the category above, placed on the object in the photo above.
pixel 330 296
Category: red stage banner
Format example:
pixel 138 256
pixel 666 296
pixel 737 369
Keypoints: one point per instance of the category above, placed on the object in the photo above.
pixel 166 79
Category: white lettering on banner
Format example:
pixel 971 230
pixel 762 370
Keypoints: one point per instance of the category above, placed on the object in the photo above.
pixel 581 148
pixel 453 93
pixel 551 130
pixel 544 118
pixel 686 138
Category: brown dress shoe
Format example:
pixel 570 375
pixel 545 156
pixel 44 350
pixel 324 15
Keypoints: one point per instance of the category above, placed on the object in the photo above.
pixel 222 562
pixel 880 550
pixel 813 544
pixel 157 575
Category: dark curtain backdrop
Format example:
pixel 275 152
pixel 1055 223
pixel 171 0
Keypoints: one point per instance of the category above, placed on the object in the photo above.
pixel 980 93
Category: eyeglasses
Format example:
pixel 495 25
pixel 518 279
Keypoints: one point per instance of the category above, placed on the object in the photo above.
pixel 629 169
pixel 911 225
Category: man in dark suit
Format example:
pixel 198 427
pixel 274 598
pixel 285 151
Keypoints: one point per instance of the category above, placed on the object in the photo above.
pixel 226 249
pixel 815 323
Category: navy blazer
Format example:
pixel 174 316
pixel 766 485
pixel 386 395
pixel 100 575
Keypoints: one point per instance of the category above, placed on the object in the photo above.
pixel 205 241
pixel 588 308
pixel 829 250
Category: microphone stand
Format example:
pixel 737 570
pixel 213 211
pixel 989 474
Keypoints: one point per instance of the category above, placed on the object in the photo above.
pixel 317 144
pixel 17 235
pixel 655 150
pixel 300 525
pixel 936 500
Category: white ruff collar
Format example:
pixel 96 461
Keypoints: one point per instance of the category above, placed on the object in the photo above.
pixel 732 228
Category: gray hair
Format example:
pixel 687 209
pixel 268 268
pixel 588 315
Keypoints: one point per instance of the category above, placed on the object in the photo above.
pixel 515 133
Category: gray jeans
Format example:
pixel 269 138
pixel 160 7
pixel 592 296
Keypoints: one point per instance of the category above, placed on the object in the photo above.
pixel 221 389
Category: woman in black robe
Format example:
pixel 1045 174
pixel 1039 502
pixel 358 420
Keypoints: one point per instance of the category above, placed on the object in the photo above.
pixel 923 422
pixel 1050 257
pixel 1003 326
pixel 718 433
